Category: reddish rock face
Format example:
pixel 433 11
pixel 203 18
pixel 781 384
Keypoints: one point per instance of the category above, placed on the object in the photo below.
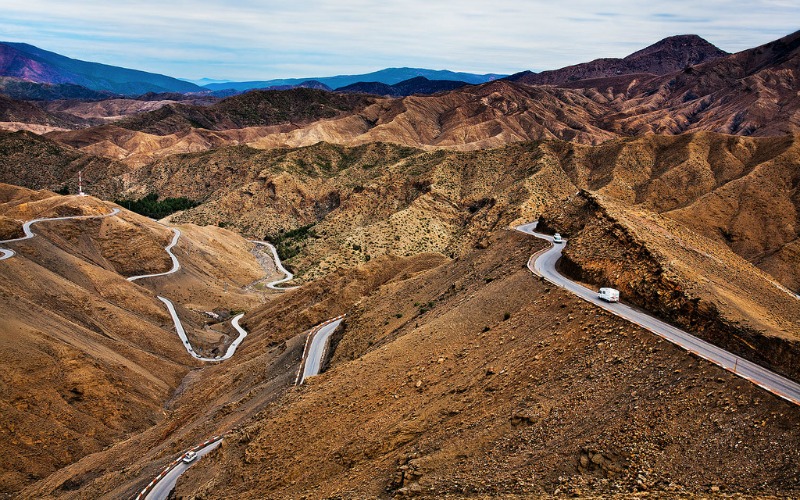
pixel 667 56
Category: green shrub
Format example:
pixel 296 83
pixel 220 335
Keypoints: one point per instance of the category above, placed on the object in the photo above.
pixel 150 206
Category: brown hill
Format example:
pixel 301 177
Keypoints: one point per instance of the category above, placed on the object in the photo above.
pixel 738 191
pixel 22 115
pixel 751 93
pixel 91 358
pixel 754 92
pixel 735 190
pixel 666 56
pixel 108 110
pixel 347 206
pixel 485 116
pixel 406 313
pixel 32 161
pixel 255 108
pixel 434 391
pixel 692 281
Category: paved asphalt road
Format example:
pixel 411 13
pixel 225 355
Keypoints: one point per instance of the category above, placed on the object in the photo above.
pixel 175 264
pixel 317 350
pixel 26 228
pixel 289 276
pixel 182 333
pixel 163 486
pixel 544 264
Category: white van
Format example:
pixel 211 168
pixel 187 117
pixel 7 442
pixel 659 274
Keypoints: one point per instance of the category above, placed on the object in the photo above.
pixel 557 238
pixel 609 294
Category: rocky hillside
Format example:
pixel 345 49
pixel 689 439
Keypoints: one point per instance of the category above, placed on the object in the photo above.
pixel 457 378
pixel 383 198
pixel 666 56
pixel 32 161
pixel 735 190
pixel 738 191
pixel 355 203
pixel 753 92
pixel 24 115
pixel 91 358
pixel 682 276
pixel 255 108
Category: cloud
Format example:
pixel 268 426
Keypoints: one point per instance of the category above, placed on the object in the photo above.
pixel 252 39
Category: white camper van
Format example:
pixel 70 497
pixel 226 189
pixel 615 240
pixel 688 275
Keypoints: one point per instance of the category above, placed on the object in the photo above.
pixel 557 238
pixel 609 294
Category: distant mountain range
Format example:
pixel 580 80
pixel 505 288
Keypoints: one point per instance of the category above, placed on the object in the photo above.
pixel 416 85
pixel 666 56
pixel 30 73
pixel 28 63
pixel 388 76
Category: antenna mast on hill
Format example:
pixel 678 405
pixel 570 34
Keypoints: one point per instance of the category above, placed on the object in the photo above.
pixel 80 183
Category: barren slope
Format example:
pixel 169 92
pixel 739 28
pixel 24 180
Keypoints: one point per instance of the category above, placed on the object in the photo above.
pixel 223 396
pixel 89 357
pixel 379 198
pixel 683 277
pixel 35 162
pixel 739 191
pixel 666 56
pixel 432 392
pixel 753 92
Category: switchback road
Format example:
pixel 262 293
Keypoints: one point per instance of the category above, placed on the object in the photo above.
pixel 544 264
pixel 175 264
pixel 26 229
pixel 288 276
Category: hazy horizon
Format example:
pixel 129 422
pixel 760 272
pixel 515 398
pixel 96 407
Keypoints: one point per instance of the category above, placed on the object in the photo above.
pixel 265 40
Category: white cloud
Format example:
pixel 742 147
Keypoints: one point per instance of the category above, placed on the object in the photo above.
pixel 271 39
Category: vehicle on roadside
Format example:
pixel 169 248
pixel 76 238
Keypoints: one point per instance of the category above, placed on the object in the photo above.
pixel 189 457
pixel 609 294
pixel 557 238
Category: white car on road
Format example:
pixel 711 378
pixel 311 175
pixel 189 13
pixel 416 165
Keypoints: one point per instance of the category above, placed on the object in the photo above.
pixel 189 457
pixel 609 294
pixel 557 238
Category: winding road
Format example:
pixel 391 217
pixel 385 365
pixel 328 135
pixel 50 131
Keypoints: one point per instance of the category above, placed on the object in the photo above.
pixel 182 333
pixel 174 314
pixel 26 229
pixel 288 276
pixel 175 264
pixel 544 264
pixel 160 487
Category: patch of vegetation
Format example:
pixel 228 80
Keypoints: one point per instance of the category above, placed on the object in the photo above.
pixel 151 206
pixel 63 190
pixel 289 243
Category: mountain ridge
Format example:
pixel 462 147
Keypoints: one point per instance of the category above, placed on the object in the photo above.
pixel 27 62
pixel 389 76
pixel 416 85
pixel 665 56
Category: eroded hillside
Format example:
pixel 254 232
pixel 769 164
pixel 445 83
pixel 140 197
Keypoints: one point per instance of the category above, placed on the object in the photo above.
pixel 91 358
pixel 474 378
pixel 689 280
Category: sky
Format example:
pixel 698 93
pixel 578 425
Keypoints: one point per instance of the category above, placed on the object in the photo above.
pixel 264 39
